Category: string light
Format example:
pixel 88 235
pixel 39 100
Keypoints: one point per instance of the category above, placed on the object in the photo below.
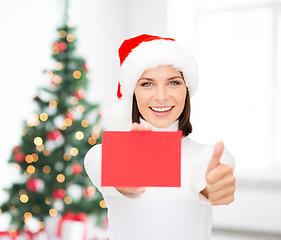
pixel 74 100
pixel 34 121
pixel 49 73
pixel 63 127
pixel 81 108
pixel 28 175
pixel 74 151
pixel 30 169
pixel 21 192
pixel 46 169
pixel 29 158
pixel 62 33
pixel 96 128
pixel 67 157
pixel 60 178
pixel 24 198
pixel 102 204
pixel 27 215
pixel 59 66
pixel 57 79
pixel 96 131
pixel 46 152
pixel 30 124
pixel 40 148
pixel 43 117
pixel 77 74
pixel 35 157
pixel 79 135
pixel 17 166
pixel 85 123
pixel 38 141
pixel 92 141
pixel 47 201
pixel 42 225
pixel 67 200
pixel 96 135
pixel 56 49
pixel 53 104
pixel 70 38
pixel 68 122
pixel 53 212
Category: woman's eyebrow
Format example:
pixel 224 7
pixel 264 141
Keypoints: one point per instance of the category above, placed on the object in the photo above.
pixel 149 79
pixel 174 77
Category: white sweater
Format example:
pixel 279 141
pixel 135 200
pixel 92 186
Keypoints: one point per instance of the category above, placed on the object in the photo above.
pixel 161 213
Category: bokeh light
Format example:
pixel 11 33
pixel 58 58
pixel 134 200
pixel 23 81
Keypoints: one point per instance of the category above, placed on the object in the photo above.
pixel 53 212
pixel 85 123
pixel 38 141
pixel 74 151
pixel 46 169
pixel 60 178
pixel 67 157
pixel 70 38
pixel 77 74
pixel 24 198
pixel 79 135
pixel 53 104
pixel 43 117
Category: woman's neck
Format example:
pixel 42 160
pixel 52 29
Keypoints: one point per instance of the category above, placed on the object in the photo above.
pixel 173 127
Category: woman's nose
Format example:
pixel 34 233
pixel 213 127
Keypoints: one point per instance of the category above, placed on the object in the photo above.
pixel 161 93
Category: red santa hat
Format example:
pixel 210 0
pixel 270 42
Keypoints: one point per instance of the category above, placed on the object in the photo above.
pixel 136 56
pixel 147 52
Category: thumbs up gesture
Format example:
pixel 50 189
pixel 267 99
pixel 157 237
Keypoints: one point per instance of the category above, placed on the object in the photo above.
pixel 220 179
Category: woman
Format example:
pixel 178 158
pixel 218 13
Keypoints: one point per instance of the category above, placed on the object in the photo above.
pixel 158 77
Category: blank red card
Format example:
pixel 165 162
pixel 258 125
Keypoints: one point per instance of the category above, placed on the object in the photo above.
pixel 141 158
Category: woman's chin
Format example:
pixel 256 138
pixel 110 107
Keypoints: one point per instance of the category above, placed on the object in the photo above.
pixel 161 124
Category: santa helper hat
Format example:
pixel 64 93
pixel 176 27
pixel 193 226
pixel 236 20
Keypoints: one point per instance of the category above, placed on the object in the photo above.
pixel 147 52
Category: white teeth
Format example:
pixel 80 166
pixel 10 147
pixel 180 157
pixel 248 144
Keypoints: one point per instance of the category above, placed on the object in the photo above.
pixel 164 109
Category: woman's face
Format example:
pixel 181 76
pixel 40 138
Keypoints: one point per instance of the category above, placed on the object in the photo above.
pixel 160 95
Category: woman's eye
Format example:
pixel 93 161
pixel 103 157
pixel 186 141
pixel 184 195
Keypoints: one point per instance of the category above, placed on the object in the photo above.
pixel 174 83
pixel 146 84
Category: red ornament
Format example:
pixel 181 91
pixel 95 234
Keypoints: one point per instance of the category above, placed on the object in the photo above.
pixel 34 184
pixel 59 193
pixel 16 149
pixel 85 67
pixel 69 115
pixel 54 135
pixel 80 94
pixel 89 192
pixel 19 157
pixel 62 46
pixel 76 169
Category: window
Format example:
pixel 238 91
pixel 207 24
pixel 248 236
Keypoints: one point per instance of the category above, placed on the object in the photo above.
pixel 236 45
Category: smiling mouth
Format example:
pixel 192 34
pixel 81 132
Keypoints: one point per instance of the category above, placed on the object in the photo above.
pixel 161 109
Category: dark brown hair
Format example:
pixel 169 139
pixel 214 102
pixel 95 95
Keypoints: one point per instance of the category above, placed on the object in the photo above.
pixel 184 118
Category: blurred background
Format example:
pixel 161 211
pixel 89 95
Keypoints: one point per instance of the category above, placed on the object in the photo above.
pixel 237 45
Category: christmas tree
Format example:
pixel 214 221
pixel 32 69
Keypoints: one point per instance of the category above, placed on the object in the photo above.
pixel 54 142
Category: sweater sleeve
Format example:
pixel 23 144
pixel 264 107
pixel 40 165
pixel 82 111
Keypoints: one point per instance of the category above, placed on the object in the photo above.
pixel 92 164
pixel 198 175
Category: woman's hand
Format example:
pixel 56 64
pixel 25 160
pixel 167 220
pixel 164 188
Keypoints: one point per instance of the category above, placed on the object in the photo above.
pixel 220 180
pixel 132 192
